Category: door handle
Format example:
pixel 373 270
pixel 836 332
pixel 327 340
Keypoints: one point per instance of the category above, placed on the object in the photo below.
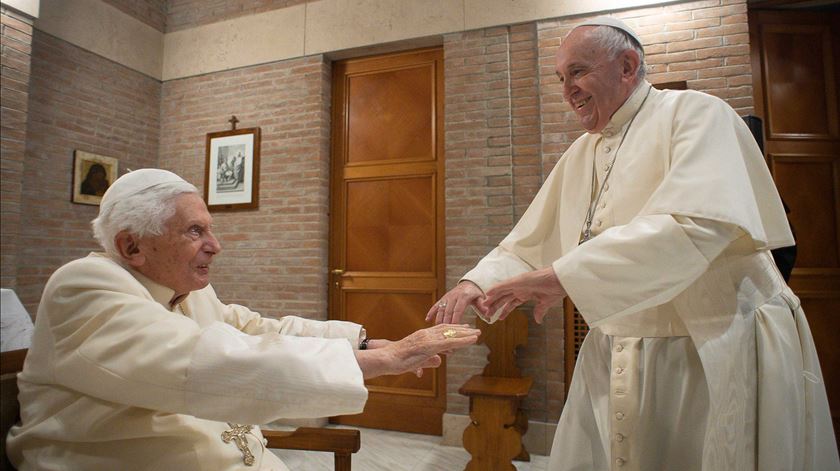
pixel 337 273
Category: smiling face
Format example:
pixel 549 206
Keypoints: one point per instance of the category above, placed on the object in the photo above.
pixel 594 84
pixel 180 257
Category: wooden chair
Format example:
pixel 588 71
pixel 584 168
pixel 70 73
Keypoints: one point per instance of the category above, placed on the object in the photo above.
pixel 341 442
pixel 494 436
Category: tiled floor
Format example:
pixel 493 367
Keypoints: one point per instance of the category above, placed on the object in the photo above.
pixel 384 450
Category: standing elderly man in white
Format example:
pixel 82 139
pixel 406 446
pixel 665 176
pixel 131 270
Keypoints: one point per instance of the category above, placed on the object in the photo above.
pixel 135 364
pixel 657 223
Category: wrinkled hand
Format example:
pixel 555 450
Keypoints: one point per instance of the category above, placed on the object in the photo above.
pixel 541 286
pixel 418 350
pixel 464 294
pixel 380 343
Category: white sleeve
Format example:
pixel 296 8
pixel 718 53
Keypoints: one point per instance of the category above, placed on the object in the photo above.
pixel 253 323
pixel 258 379
pixel 113 343
pixel 640 265
pixel 498 265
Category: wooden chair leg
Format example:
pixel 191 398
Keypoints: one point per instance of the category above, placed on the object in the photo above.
pixel 342 461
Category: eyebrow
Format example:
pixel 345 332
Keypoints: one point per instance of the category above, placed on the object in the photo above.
pixel 199 223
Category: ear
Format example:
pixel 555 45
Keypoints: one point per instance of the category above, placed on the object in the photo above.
pixel 630 62
pixel 128 246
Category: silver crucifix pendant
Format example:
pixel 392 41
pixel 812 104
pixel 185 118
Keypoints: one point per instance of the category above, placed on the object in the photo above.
pixel 236 434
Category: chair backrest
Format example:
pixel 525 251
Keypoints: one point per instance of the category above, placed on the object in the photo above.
pixel 11 363
pixel 502 338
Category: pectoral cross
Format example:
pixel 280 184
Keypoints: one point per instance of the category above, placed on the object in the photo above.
pixel 587 234
pixel 237 435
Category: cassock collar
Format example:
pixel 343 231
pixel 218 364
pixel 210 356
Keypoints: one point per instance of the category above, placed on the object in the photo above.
pixel 627 110
pixel 161 294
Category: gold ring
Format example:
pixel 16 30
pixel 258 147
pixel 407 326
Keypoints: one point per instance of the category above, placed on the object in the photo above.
pixel 449 333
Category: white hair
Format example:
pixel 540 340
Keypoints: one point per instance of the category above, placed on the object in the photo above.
pixel 616 41
pixel 142 214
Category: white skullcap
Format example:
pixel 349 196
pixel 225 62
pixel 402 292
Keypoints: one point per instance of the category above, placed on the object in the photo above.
pixel 134 182
pixel 612 22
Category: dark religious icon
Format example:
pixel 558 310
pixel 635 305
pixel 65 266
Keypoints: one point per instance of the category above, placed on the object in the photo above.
pixel 92 175
pixel 232 173
pixel 96 181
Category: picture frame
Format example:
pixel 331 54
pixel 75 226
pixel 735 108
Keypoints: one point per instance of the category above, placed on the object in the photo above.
pixel 232 170
pixel 92 175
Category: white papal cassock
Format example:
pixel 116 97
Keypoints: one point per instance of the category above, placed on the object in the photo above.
pixel 699 355
pixel 116 379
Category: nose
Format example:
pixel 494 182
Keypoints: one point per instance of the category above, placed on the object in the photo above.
pixel 568 88
pixel 211 244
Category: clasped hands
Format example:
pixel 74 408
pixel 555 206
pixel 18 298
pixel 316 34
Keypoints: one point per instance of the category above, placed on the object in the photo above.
pixel 422 349
pixel 541 286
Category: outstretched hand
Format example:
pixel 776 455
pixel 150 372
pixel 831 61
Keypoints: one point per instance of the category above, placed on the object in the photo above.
pixel 432 362
pixel 541 286
pixel 451 306
pixel 418 350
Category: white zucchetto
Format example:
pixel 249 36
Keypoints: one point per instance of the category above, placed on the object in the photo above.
pixel 612 22
pixel 134 182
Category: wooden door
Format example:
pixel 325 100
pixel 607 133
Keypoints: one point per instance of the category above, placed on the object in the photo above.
pixel 387 232
pixel 795 65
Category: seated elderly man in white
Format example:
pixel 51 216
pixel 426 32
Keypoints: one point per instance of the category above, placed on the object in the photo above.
pixel 136 364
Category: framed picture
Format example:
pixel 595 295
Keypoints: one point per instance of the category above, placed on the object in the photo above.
pixel 232 174
pixel 92 175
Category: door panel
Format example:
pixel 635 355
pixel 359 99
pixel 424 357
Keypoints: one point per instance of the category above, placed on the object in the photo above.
pixel 377 311
pixel 391 225
pixel 795 61
pixel 387 234
pixel 390 116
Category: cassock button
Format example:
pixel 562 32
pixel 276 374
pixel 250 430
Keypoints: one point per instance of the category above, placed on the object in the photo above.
pixel 603 205
pixel 606 186
pixel 598 223
pixel 619 437
pixel 607 167
pixel 619 370
pixel 619 347
pixel 607 149
pixel 619 415
pixel 620 461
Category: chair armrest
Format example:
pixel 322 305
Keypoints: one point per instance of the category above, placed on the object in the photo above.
pixel 12 361
pixel 344 441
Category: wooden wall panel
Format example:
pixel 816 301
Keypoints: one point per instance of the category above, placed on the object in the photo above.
pixel 801 96
pixel 810 185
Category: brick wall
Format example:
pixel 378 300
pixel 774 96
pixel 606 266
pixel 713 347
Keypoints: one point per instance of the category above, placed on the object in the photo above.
pixel 274 259
pixel 77 100
pixel 507 125
pixel 15 54
pixel 151 12
pixel 183 14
